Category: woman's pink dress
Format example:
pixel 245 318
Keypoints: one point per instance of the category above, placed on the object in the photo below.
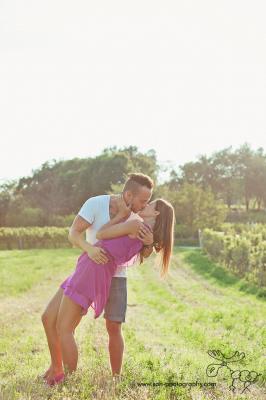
pixel 89 284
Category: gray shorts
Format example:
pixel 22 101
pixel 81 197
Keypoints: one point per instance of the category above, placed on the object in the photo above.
pixel 116 306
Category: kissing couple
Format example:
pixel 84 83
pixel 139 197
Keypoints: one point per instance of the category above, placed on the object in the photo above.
pixel 120 229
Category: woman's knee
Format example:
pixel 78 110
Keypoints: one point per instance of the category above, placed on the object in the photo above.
pixel 47 317
pixel 68 316
pixel 60 328
pixel 65 325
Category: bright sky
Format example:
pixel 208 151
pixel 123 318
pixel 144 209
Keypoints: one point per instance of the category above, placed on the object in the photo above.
pixel 183 77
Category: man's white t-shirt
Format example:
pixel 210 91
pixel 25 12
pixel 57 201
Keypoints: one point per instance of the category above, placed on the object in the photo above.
pixel 96 211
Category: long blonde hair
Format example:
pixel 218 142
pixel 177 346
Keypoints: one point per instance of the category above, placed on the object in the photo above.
pixel 163 233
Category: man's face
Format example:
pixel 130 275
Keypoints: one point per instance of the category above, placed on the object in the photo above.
pixel 149 211
pixel 139 200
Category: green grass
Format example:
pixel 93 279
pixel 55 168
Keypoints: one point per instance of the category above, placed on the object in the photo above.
pixel 171 324
pixel 21 270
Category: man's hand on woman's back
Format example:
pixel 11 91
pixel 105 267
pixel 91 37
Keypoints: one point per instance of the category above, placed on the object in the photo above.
pixel 97 254
pixel 76 237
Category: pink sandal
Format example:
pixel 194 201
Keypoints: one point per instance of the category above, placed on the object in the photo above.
pixel 56 380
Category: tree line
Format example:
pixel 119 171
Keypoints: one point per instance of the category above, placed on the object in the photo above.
pixel 202 191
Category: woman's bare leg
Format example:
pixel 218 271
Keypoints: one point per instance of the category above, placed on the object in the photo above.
pixel 69 316
pixel 49 318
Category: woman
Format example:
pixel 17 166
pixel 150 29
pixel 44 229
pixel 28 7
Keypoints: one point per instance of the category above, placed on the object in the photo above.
pixel 89 284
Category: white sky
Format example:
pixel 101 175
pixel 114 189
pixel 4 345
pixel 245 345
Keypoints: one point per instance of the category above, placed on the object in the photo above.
pixel 184 77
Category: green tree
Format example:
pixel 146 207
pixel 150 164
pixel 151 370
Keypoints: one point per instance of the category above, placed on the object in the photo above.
pixel 59 188
pixel 198 208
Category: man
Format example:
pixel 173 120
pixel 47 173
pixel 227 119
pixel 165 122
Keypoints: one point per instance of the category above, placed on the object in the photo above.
pixel 96 212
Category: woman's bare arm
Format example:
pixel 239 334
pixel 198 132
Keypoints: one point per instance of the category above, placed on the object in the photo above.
pixel 113 230
pixel 119 218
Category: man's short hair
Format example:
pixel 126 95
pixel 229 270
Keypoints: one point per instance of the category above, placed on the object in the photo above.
pixel 136 180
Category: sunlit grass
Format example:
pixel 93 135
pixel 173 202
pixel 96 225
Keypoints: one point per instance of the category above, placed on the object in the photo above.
pixel 171 324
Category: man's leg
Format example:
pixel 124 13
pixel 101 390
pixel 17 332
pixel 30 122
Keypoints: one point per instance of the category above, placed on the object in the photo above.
pixel 115 312
pixel 116 345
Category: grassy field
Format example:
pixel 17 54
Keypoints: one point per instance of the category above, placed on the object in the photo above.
pixel 171 325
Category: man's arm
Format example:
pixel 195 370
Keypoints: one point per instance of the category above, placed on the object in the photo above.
pixel 76 237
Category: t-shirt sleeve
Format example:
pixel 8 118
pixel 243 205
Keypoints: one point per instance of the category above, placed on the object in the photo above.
pixel 89 210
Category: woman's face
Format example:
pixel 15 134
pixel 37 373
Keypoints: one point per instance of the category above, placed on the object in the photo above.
pixel 149 210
